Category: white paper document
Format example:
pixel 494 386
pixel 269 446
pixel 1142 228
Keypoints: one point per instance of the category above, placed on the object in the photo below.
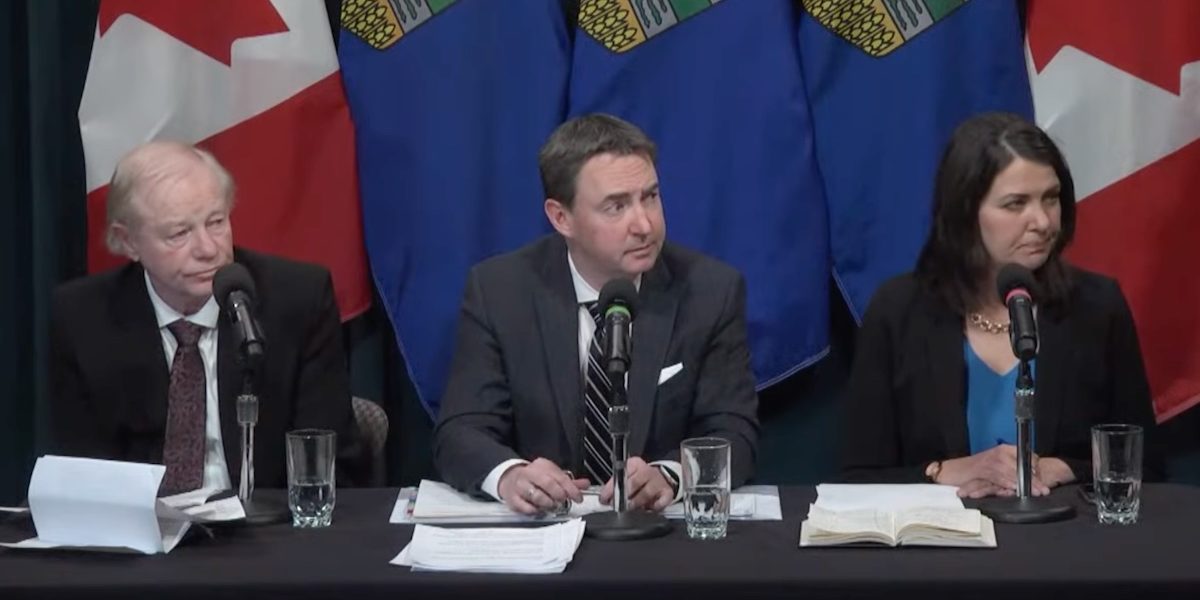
pixel 438 503
pixel 886 496
pixel 526 550
pixel 747 503
pixel 93 504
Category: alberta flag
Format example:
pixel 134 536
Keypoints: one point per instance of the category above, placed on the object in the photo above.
pixel 451 101
pixel 719 87
pixel 888 81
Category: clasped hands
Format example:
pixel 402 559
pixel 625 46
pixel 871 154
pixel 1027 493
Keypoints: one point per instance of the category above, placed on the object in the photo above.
pixel 993 472
pixel 540 486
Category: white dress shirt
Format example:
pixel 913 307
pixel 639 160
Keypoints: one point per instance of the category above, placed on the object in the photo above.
pixel 584 293
pixel 216 475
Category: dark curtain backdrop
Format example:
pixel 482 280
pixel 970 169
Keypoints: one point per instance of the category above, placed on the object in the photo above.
pixel 44 51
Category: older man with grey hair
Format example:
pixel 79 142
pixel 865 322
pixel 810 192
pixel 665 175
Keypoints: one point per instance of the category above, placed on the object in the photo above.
pixel 143 363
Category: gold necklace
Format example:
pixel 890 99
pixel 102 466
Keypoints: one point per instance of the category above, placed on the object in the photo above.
pixel 987 325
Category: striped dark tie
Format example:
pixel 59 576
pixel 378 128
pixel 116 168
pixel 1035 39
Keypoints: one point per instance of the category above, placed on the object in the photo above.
pixel 597 442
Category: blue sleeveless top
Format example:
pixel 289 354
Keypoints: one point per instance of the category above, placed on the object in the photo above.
pixel 990 419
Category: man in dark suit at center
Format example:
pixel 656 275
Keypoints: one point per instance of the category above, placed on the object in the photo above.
pixel 523 409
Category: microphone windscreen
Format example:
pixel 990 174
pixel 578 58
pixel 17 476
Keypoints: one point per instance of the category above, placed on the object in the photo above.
pixel 229 278
pixel 1013 276
pixel 619 291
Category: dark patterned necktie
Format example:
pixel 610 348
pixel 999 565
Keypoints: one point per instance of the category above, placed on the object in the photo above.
pixel 597 442
pixel 183 448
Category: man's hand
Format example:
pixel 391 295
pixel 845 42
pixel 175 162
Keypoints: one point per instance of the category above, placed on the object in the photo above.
pixel 538 487
pixel 645 485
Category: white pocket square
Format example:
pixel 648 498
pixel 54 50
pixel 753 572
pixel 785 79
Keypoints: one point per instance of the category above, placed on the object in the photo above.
pixel 669 372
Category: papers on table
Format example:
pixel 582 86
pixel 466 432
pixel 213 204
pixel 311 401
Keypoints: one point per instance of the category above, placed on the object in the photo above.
pixel 493 550
pixel 747 503
pixel 438 503
pixel 92 504
pixel 886 496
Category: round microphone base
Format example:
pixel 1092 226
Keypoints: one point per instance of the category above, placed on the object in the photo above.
pixel 1023 511
pixel 627 525
pixel 266 511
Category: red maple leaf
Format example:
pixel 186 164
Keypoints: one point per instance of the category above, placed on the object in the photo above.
pixel 1149 40
pixel 210 26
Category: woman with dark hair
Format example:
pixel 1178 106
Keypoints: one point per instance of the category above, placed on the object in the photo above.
pixel 930 397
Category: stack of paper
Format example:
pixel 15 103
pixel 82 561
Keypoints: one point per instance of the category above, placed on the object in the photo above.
pixel 915 515
pixel 493 550
pixel 438 503
pixel 886 496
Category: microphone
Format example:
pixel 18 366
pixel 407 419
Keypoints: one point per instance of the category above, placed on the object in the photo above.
pixel 1016 286
pixel 234 290
pixel 235 293
pixel 618 300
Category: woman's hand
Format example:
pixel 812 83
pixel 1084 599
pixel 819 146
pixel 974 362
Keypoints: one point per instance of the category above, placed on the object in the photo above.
pixel 993 472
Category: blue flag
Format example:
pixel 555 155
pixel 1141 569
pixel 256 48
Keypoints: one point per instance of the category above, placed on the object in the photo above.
pixel 888 81
pixel 450 102
pixel 718 86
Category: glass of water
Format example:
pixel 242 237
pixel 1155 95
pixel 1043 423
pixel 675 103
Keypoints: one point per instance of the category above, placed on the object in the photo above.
pixel 705 487
pixel 310 466
pixel 1117 472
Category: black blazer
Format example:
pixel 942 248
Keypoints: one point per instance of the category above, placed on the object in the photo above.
pixel 516 388
pixel 905 405
pixel 109 375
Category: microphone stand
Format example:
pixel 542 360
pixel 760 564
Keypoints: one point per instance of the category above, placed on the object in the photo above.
pixel 622 523
pixel 1024 508
pixel 258 512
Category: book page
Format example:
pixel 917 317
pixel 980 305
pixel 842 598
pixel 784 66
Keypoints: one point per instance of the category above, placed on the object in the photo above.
pixel 963 521
pixel 966 528
pixel 842 527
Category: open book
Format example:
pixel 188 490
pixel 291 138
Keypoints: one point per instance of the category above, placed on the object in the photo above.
pixel 918 526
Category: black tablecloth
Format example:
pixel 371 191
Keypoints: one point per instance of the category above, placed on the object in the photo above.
pixel 1158 558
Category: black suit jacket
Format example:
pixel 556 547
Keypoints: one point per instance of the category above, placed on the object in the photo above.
pixel 109 375
pixel 516 387
pixel 905 405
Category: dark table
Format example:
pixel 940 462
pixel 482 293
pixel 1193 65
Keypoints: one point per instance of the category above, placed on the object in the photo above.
pixel 1158 558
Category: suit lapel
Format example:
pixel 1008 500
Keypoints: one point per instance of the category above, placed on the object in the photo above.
pixel 652 328
pixel 1053 357
pixel 944 369
pixel 558 321
pixel 142 344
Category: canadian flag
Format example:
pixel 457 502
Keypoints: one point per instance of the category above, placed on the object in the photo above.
pixel 1117 84
pixel 256 82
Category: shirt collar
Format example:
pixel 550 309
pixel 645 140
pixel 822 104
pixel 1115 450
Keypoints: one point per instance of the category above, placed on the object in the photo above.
pixel 584 292
pixel 205 317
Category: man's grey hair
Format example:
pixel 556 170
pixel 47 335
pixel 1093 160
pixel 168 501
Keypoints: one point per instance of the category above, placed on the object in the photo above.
pixel 578 140
pixel 145 168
